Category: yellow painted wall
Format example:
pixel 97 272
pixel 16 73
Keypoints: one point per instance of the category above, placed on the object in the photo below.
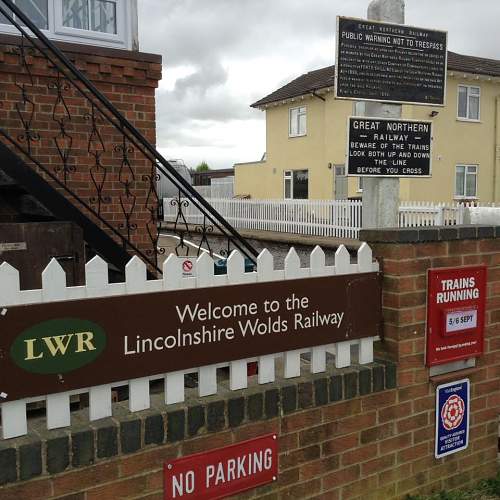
pixel 254 179
pixel 455 142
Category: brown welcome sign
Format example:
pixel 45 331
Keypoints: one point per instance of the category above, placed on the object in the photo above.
pixel 54 347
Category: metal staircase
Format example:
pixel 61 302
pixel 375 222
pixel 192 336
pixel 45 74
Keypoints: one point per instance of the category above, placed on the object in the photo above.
pixel 22 159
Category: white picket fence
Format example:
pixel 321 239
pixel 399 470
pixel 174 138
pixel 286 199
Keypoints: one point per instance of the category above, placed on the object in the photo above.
pixel 333 218
pixel 330 218
pixel 423 213
pixel 14 420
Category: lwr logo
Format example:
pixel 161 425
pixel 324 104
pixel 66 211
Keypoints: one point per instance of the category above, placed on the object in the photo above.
pixel 58 345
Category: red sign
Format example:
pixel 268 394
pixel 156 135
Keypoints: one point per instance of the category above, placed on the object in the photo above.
pixel 223 472
pixel 455 314
pixel 187 266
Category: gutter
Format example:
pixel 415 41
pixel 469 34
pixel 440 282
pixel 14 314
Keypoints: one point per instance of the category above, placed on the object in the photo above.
pixel 496 151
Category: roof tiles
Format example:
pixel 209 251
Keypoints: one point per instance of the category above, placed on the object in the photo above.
pixel 325 77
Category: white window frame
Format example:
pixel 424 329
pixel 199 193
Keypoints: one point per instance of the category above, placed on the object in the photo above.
pixel 12 30
pixel 468 89
pixel 464 196
pixel 56 31
pixel 118 38
pixel 287 176
pixel 360 184
pixel 299 113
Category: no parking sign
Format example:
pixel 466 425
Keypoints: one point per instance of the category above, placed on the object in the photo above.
pixel 452 417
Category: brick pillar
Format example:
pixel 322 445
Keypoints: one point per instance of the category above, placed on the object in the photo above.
pixel 405 256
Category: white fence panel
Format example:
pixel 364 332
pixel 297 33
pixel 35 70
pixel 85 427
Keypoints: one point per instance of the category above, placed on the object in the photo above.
pixel 324 218
pixel 334 218
pixel 424 213
pixel 14 420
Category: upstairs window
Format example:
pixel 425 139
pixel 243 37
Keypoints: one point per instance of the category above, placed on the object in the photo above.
pixel 37 10
pixel 95 22
pixel 469 102
pixel 296 184
pixel 92 15
pixel 297 122
pixel 466 181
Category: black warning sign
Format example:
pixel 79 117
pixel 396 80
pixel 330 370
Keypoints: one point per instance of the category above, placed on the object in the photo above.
pixel 390 63
pixel 379 147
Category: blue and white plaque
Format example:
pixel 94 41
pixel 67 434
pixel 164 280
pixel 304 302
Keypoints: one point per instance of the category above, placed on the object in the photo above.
pixel 452 417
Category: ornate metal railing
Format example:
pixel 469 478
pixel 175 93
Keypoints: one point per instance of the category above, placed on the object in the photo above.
pixel 117 164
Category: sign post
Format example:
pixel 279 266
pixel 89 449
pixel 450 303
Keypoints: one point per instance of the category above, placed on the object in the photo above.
pixel 385 63
pixel 381 195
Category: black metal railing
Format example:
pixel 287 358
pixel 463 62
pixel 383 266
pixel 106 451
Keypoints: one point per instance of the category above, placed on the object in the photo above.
pixel 130 150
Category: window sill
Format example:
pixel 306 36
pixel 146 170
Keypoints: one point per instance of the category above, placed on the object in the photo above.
pixel 465 198
pixel 290 136
pixel 468 120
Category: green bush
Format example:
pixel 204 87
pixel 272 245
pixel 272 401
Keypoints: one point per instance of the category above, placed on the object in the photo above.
pixel 487 489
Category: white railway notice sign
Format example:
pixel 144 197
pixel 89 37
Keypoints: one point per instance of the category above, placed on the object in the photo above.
pixel 379 147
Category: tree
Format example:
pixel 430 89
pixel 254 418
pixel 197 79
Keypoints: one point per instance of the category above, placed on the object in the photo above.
pixel 202 167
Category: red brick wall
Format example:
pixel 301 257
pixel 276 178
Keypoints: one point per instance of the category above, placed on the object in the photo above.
pixel 129 80
pixel 351 433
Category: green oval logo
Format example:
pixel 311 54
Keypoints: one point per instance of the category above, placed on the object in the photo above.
pixel 58 346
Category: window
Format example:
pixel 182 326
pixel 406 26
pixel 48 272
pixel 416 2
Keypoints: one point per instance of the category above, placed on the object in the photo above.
pixel 466 181
pixel 92 15
pixel 37 10
pixel 360 184
pixel 469 102
pixel 296 184
pixel 105 22
pixel 297 122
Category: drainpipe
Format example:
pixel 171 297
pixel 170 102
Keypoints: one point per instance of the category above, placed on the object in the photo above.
pixel 496 157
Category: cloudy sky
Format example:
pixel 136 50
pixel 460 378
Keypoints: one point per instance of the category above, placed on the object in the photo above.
pixel 219 56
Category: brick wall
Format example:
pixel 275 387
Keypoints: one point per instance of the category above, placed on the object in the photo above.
pixel 362 432
pixel 128 79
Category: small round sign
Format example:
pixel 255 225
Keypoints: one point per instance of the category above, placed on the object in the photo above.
pixel 453 412
pixel 187 266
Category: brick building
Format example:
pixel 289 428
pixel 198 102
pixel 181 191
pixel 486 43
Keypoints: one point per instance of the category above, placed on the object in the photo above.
pixel 59 138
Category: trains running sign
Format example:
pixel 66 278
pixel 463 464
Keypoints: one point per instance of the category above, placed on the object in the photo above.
pixel 379 147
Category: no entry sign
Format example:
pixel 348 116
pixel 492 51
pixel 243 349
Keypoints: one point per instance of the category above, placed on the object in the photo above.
pixel 223 472
pixel 187 265
pixel 455 314
pixel 378 147
pixel 452 417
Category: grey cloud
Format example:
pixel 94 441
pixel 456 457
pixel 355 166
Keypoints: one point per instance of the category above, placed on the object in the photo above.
pixel 216 106
pixel 208 34
pixel 193 30
pixel 209 74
